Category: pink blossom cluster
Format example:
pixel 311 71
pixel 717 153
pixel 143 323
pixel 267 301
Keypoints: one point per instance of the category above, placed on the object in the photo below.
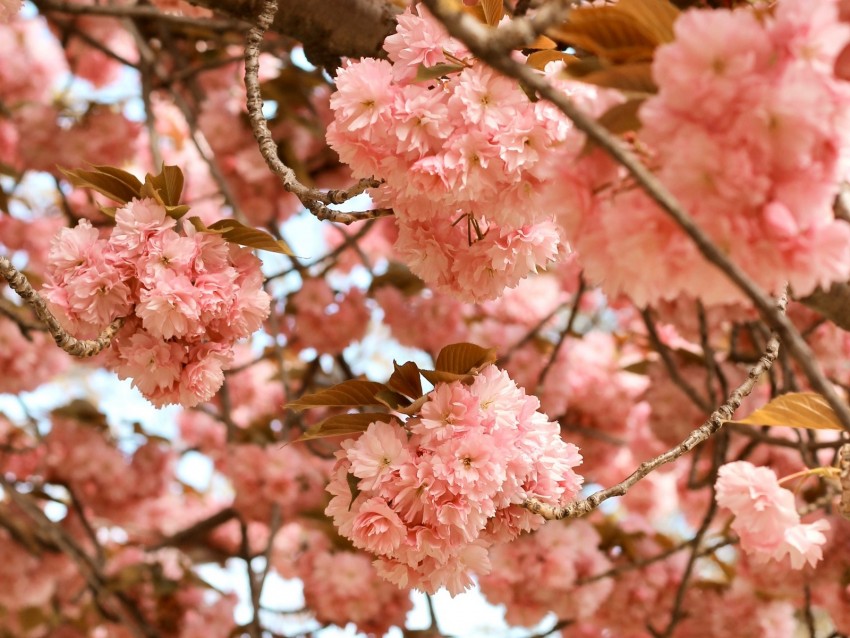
pixel 554 558
pixel 83 457
pixel 326 320
pixel 463 155
pixel 760 93
pixel 429 497
pixel 27 363
pixel 187 296
pixel 766 518
pixel 292 479
pixel 336 581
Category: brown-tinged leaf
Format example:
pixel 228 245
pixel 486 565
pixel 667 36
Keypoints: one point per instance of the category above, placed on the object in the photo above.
pixel 237 233
pixel 424 73
pixel 84 412
pixel 622 118
pixel 343 424
pixel 634 78
pixel 439 376
pixel 355 392
pixel 494 10
pixel 393 400
pixel 406 380
pixel 599 30
pixel 463 358
pixel 399 276
pixel 638 367
pixel 4 201
pixel 112 182
pixel 168 184
pixel 796 410
pixel 541 42
pixel 655 16
pixel 31 617
pixel 539 59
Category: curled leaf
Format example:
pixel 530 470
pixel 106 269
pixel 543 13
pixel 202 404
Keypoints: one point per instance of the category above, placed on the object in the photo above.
pixel 353 393
pixel 344 424
pixel 238 233
pixel 463 358
pixel 796 410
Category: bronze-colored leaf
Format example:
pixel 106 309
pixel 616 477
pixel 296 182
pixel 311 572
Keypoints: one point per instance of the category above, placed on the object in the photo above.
pixel 634 78
pixel 344 424
pixel 114 183
pixel 355 392
pixel 541 42
pixel 494 11
pixel 796 410
pixel 463 358
pixel 168 184
pixel 4 201
pixel 599 30
pixel 539 59
pixel 399 276
pixel 424 73
pixel 622 118
pixel 439 376
pixel 406 380
pixel 655 16
pixel 392 399
pixel 237 233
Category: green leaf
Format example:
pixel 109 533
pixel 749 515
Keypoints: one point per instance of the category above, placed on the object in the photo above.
pixel 405 379
pixel 237 233
pixel 796 410
pixel 463 358
pixel 424 73
pixel 353 393
pixel 344 424
pixel 112 182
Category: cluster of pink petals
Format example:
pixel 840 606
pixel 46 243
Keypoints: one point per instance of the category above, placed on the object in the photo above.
pixel 760 93
pixel 766 518
pixel 27 363
pixel 335 581
pixel 463 158
pixel 431 496
pixel 289 477
pixel 553 558
pixel 325 320
pixel 188 298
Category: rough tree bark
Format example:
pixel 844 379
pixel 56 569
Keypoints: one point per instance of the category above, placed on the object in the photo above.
pixel 328 29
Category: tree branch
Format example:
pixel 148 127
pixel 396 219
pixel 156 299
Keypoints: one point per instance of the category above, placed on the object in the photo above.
pixel 73 346
pixel 315 201
pixel 711 426
pixel 328 29
pixel 477 37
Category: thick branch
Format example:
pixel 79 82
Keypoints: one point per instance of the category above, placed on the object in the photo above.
pixel 77 347
pixel 316 201
pixel 477 37
pixel 711 426
pixel 328 29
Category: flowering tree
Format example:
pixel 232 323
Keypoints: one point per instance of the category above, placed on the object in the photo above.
pixel 549 298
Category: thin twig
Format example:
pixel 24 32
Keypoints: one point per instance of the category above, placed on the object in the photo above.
pixel 480 41
pixel 701 434
pixel 315 201
pixel 73 346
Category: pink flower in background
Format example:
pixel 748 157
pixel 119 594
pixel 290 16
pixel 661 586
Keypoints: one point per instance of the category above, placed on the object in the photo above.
pixel 766 517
